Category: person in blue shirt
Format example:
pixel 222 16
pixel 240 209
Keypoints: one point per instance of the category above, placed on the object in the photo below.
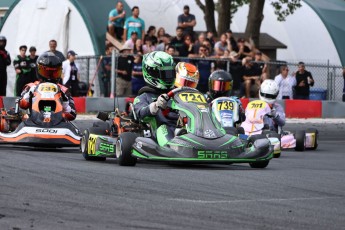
pixel 116 21
pixel 134 23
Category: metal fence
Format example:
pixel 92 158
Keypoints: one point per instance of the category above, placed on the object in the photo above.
pixel 328 78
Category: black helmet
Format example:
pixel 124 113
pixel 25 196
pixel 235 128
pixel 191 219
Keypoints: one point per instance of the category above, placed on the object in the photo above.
pixel 49 67
pixel 220 84
pixel 4 41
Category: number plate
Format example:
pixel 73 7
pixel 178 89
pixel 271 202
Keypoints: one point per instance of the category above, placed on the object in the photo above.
pixel 192 97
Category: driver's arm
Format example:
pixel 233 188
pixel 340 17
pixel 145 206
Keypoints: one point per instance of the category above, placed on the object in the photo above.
pixel 24 100
pixel 280 116
pixel 69 111
pixel 142 105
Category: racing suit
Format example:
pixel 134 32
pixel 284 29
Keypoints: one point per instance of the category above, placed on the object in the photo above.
pixel 163 118
pixel 276 118
pixel 5 60
pixel 27 96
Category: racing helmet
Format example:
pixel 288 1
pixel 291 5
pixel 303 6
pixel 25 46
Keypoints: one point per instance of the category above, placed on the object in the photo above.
pixel 186 75
pixel 269 91
pixel 159 70
pixel 220 84
pixel 3 41
pixel 49 67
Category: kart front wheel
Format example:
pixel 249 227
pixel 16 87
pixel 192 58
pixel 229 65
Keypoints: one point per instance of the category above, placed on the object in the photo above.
pixel 124 149
pixel 84 143
pixel 316 132
pixel 259 165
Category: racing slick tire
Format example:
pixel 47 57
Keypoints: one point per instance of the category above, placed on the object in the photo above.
pixel 276 135
pixel 259 165
pixel 313 130
pixel 84 143
pixel 231 131
pixel 300 140
pixel 124 149
pixel 253 138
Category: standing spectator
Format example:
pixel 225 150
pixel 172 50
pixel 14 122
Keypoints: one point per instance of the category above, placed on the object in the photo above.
pixel 232 44
pixel 138 47
pixel 236 71
pixel 124 72
pixel 261 65
pixel 304 80
pixel 286 83
pixel 148 47
pixel 116 20
pixel 160 34
pixel 242 49
pixel 134 23
pixel 137 75
pixel 5 60
pixel 70 76
pixel 205 68
pixel 165 42
pixel 151 33
pixel 251 77
pixel 106 71
pixel 22 67
pixel 130 42
pixel 186 21
pixel 52 48
pixel 33 59
pixel 178 41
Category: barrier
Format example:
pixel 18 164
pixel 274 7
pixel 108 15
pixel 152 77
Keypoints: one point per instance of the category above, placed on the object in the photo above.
pixel 1 103
pixel 80 104
pixel 303 109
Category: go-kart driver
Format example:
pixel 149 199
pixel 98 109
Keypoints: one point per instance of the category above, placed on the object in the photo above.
pixel 49 68
pixel 220 85
pixel 268 92
pixel 150 106
pixel 187 75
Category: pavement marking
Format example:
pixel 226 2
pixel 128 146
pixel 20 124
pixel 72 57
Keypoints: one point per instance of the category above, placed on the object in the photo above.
pixel 256 200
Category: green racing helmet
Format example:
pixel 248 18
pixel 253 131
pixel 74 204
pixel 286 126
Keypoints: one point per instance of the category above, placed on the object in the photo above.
pixel 159 70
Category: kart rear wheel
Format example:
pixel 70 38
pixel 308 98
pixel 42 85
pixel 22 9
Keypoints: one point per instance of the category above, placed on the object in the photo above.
pixel 260 164
pixel 84 143
pixel 300 140
pixel 253 138
pixel 124 149
pixel 313 130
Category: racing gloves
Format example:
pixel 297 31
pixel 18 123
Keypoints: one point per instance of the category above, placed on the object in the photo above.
pixel 160 103
pixel 273 114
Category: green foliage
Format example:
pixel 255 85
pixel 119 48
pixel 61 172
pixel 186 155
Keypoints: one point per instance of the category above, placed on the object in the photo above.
pixel 283 8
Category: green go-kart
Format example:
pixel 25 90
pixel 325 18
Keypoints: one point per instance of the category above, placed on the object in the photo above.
pixel 199 138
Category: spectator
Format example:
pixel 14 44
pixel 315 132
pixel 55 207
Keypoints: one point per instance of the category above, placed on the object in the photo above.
pixel 208 44
pixel 286 83
pixel 106 71
pixel 137 75
pixel 261 64
pixel 151 33
pixel 251 77
pixel 186 21
pixel 130 42
pixel 304 80
pixel 242 49
pixel 33 59
pixel 148 47
pixel 5 60
pixel 211 38
pixel 187 47
pixel 165 42
pixel 199 42
pixel 205 68
pixel 232 44
pixel 134 23
pixel 52 48
pixel 178 41
pixel 116 20
pixel 221 44
pixel 236 72
pixel 70 76
pixel 160 34
pixel 22 67
pixel 124 72
pixel 171 50
pixel 138 47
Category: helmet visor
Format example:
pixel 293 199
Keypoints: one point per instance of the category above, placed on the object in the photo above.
pixel 164 73
pixel 268 96
pixel 221 86
pixel 49 72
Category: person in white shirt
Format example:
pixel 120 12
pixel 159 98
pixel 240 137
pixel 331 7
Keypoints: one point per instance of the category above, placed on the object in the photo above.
pixel 286 83
pixel 70 75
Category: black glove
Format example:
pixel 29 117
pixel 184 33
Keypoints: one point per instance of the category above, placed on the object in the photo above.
pixel 64 97
pixel 273 114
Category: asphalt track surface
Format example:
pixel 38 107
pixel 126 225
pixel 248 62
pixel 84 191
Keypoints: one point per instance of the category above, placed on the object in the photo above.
pixel 58 189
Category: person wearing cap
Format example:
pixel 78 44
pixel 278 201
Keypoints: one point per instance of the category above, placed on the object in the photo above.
pixel 134 23
pixel 124 72
pixel 33 59
pixel 186 21
pixel 116 21
pixel 131 42
pixel 52 48
pixel 70 76
pixel 22 67
pixel 5 60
